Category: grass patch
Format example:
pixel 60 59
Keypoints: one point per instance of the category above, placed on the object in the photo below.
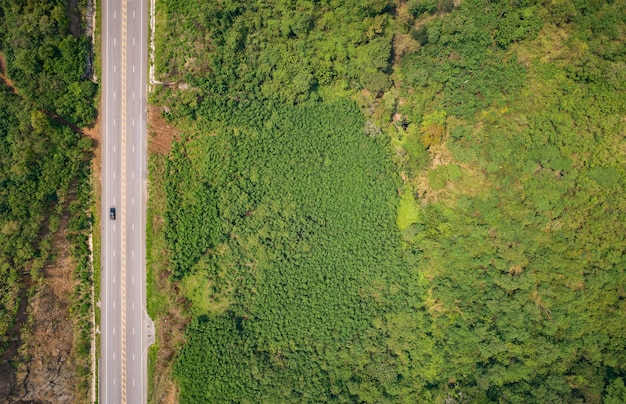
pixel 408 212
pixel 157 258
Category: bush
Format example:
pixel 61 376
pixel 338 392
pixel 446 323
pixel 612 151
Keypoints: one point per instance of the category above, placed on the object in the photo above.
pixel 377 83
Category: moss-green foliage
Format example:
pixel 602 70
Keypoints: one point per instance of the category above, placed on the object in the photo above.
pixel 45 61
pixel 408 212
pixel 461 61
pixel 192 215
pixel 275 49
pixel 307 208
pixel 526 279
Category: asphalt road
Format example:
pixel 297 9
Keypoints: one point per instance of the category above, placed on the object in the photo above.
pixel 125 327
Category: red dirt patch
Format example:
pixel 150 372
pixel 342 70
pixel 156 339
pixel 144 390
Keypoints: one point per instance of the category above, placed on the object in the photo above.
pixel 161 133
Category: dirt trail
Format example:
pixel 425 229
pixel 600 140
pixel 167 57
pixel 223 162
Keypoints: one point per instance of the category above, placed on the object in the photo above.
pixel 3 74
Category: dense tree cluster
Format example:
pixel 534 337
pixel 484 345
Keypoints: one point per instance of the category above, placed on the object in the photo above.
pixel 45 60
pixel 524 247
pixel 307 248
pixel 275 49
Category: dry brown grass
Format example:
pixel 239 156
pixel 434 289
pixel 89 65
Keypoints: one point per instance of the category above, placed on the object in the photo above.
pixel 403 44
pixel 473 181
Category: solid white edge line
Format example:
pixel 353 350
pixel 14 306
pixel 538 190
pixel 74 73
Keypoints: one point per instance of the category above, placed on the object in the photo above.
pixel 142 228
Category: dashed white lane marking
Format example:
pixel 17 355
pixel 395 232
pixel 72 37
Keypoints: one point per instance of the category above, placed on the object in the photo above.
pixel 113 334
pixel 114 125
pixel 132 200
pixel 133 41
pixel 114 94
pixel 133 68
pixel 113 253
pixel 133 280
pixel 133 124
pixel 114 68
pixel 133 360
pixel 132 226
pixel 133 146
pixel 114 14
pixel 113 174
pixel 114 227
pixel 133 13
pixel 133 253
pixel 133 379
pixel 113 278
pixel 133 175
pixel 133 309
pixel 113 304
pixel 133 331
pixel 133 95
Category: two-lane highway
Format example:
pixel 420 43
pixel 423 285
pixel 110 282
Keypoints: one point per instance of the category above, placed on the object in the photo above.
pixel 124 323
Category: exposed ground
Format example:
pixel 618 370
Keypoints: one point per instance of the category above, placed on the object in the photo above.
pixel 47 368
pixel 96 163
pixel 3 74
pixel 161 133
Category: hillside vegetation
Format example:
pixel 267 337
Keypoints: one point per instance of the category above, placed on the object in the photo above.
pixel 397 202
pixel 44 195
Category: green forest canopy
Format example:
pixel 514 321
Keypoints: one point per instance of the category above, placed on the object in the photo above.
pixel 43 164
pixel 493 271
pixel 46 61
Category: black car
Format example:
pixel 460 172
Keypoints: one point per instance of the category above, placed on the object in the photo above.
pixel 112 213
